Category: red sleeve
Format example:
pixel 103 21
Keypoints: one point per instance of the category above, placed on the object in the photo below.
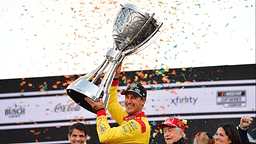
pixel 101 112
pixel 115 82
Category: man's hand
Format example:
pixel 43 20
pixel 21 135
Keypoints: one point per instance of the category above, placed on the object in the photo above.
pixel 118 70
pixel 246 121
pixel 95 105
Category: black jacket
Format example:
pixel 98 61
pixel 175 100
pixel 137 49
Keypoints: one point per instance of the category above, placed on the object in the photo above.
pixel 180 141
pixel 243 136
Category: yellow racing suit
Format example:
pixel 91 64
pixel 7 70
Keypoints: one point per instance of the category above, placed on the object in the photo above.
pixel 133 129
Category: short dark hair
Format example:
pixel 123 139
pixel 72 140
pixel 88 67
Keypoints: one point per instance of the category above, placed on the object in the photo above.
pixel 232 133
pixel 80 126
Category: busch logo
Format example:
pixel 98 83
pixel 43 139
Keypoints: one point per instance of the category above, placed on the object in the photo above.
pixel 14 111
pixel 66 108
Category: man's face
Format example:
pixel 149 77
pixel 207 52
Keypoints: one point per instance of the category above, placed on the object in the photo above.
pixel 77 137
pixel 133 104
pixel 171 134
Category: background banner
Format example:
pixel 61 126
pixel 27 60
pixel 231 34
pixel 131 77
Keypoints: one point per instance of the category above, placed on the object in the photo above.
pixel 40 110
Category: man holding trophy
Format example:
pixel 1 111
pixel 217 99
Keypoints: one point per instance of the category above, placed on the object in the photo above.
pixel 133 31
pixel 134 126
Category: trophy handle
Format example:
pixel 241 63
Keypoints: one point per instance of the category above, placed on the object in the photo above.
pixel 85 86
pixel 110 74
pixel 149 39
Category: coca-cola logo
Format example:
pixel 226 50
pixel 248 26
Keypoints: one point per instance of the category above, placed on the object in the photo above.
pixel 14 111
pixel 66 108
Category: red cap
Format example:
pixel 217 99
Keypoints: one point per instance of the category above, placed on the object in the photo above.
pixel 172 122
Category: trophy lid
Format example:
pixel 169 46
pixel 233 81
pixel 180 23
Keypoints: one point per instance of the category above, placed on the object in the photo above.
pixel 136 8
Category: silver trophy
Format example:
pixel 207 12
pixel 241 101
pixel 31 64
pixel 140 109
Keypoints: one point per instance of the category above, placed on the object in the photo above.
pixel 133 31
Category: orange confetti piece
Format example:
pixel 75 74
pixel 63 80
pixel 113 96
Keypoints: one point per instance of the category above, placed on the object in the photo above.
pixel 141 74
pixel 174 72
pixel 32 131
pixel 124 77
pixel 37 133
pixel 22 83
pixel 55 86
pixel 30 84
pixel 35 123
pixel 58 126
pixel 71 121
pixel 162 107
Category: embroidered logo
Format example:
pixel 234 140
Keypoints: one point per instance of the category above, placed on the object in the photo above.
pixel 102 128
pixel 99 120
pixel 124 129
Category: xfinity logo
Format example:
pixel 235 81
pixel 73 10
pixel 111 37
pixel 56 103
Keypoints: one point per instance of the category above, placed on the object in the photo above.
pixel 14 111
pixel 186 100
pixel 66 108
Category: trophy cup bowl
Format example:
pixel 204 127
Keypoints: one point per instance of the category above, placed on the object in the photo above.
pixel 132 29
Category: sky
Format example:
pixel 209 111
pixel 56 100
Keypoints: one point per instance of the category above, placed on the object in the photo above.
pixel 64 37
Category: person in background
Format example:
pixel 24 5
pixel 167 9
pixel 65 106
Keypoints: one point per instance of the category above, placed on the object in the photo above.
pixel 77 133
pixel 227 134
pixel 204 138
pixel 245 122
pixel 173 131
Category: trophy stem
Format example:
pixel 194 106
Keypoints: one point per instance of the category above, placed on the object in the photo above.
pixel 104 65
pixel 91 74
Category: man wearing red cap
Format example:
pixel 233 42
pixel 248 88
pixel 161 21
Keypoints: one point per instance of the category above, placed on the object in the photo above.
pixel 173 131
pixel 134 127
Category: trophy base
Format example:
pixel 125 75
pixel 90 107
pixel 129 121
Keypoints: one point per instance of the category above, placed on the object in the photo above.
pixel 79 99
